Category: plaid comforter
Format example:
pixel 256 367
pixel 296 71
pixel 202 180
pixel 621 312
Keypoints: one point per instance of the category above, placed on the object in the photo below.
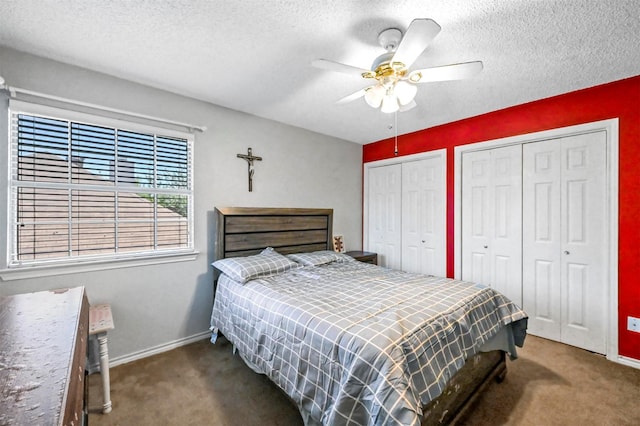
pixel 357 344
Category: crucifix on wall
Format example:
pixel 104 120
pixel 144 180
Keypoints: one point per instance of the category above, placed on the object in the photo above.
pixel 249 157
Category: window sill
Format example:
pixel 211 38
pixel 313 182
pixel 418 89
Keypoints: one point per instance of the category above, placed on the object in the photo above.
pixel 37 271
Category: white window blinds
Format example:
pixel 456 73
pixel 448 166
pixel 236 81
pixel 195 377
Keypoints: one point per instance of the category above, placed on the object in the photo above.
pixel 81 188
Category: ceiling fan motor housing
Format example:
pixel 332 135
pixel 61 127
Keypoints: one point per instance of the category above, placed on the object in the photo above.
pixel 385 57
pixel 389 39
pixel 382 67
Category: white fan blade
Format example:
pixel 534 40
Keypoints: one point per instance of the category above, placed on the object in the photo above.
pixel 326 64
pixel 446 72
pixel 408 106
pixel 418 36
pixel 352 97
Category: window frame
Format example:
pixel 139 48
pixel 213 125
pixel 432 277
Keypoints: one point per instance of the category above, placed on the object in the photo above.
pixel 100 261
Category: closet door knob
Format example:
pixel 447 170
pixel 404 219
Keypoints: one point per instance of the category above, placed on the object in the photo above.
pixel 486 246
pixel 566 252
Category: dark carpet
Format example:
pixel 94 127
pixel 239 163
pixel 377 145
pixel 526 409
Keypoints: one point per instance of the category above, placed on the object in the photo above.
pixel 204 384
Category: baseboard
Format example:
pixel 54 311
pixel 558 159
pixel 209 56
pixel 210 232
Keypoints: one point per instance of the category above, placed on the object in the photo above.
pixel 94 367
pixel 631 362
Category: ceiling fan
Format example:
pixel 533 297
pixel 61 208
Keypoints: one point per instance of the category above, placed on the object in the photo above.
pixel 395 85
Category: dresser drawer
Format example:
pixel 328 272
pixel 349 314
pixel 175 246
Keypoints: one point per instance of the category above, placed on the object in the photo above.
pixel 75 409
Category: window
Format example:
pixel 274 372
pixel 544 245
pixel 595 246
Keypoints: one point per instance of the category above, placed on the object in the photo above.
pixel 85 187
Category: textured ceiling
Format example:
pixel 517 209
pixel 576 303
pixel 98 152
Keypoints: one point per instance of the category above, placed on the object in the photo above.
pixel 254 55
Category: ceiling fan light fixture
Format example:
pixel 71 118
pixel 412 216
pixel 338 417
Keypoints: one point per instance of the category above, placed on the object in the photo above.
pixel 373 95
pixel 405 92
pixel 390 104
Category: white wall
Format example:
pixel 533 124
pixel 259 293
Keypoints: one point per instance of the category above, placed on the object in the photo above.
pixel 155 307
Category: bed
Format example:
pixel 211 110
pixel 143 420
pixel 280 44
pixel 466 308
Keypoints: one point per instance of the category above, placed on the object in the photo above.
pixel 353 343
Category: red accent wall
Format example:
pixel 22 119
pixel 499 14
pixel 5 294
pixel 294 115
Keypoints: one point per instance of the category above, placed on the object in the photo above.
pixel 619 99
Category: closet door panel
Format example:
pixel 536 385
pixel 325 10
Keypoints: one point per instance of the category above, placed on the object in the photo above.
pixel 410 230
pixel 492 219
pixel 584 241
pixel 541 269
pixel 477 209
pixel 506 245
pixel 564 251
pixel 423 242
pixel 543 291
pixel 385 194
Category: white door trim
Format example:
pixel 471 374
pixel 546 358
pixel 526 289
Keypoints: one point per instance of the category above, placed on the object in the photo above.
pixel 611 128
pixel 442 153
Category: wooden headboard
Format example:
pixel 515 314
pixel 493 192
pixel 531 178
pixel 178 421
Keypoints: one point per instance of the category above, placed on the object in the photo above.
pixel 243 231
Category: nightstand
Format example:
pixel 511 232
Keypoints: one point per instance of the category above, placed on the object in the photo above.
pixel 364 256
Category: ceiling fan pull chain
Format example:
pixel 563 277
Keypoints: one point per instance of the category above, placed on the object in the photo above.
pixel 395 149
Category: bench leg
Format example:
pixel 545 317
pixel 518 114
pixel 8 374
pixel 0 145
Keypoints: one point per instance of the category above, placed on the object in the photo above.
pixel 104 372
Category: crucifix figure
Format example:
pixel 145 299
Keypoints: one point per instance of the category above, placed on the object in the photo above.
pixel 250 158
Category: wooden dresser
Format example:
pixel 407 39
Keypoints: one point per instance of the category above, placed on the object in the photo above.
pixel 43 351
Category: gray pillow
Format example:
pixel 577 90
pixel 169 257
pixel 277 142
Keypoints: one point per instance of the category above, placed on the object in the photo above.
pixel 319 257
pixel 243 269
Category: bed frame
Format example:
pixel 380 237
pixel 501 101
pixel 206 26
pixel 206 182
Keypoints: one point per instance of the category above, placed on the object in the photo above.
pixel 243 231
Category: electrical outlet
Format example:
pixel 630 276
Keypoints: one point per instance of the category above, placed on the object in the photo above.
pixel 633 324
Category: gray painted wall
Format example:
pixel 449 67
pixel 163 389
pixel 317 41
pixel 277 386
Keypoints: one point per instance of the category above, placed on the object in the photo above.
pixel 157 306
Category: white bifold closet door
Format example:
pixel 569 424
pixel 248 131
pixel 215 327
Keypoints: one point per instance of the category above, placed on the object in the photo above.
pixel 564 239
pixel 385 214
pixel 423 208
pixel 492 219
pixel 407 215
